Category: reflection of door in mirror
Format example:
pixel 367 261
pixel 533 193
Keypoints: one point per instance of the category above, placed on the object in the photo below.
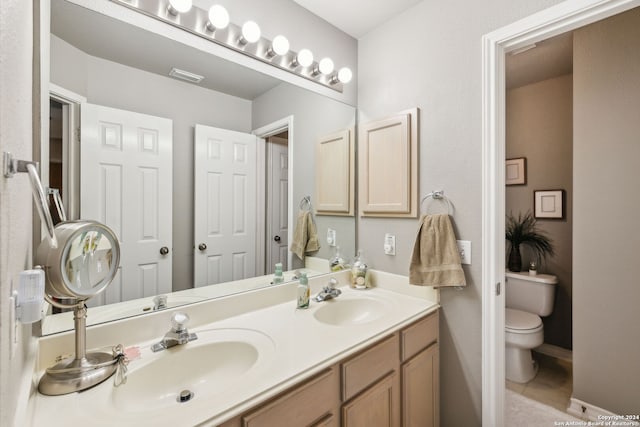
pixel 277 201
pixel 224 205
pixel 126 183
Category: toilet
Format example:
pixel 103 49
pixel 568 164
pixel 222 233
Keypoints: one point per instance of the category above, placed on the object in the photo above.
pixel 527 299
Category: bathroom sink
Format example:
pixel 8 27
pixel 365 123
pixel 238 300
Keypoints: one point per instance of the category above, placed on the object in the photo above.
pixel 351 310
pixel 210 365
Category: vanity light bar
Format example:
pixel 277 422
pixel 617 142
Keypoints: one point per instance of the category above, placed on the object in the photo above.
pixel 196 21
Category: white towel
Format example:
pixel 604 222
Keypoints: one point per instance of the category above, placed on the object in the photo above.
pixel 436 261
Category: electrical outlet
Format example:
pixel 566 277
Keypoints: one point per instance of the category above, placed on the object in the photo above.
pixel 464 248
pixel 389 244
pixel 331 237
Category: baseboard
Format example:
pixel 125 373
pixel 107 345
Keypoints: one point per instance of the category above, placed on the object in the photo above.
pixel 589 412
pixel 555 351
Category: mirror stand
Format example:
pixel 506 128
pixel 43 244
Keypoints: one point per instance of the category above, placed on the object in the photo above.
pixel 85 369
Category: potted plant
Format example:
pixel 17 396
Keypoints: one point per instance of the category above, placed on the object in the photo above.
pixel 522 230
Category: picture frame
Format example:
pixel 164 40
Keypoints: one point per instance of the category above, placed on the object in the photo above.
pixel 516 171
pixel 549 204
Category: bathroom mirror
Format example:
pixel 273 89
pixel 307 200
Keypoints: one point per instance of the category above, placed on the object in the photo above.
pixel 97 60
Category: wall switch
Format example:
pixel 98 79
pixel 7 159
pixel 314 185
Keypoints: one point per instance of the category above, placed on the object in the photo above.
pixel 331 237
pixel 389 244
pixel 464 248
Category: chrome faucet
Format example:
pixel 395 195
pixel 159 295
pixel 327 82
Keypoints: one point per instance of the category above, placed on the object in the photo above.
pixel 328 292
pixel 178 334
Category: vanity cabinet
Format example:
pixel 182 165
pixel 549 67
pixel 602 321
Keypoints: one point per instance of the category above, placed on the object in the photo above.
pixel 392 383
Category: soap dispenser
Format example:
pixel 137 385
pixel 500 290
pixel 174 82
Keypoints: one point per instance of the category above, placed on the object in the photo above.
pixel 360 273
pixel 337 263
pixel 303 291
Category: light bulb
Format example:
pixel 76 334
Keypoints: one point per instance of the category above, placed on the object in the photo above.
pixel 218 18
pixel 326 66
pixel 345 75
pixel 250 32
pixel 280 45
pixel 179 6
pixel 304 58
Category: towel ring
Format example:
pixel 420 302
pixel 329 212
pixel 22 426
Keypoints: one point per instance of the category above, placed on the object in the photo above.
pixel 438 195
pixel 305 203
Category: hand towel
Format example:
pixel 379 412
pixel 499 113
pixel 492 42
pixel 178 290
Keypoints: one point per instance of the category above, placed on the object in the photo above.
pixel 436 261
pixel 305 235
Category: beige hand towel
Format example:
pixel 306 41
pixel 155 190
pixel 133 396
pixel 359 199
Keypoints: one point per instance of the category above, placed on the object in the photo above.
pixel 436 261
pixel 305 235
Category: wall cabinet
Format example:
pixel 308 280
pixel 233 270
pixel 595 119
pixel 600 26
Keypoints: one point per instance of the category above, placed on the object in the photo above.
pixel 335 171
pixel 392 383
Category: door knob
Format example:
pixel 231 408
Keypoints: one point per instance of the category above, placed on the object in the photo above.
pixel 277 238
pixel 164 250
pixel 202 247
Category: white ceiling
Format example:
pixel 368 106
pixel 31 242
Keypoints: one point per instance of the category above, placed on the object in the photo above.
pixel 356 17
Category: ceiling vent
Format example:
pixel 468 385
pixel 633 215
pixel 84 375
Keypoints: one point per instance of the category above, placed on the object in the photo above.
pixel 185 75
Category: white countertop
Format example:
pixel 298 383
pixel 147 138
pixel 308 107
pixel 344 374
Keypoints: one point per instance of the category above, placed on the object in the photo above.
pixel 301 346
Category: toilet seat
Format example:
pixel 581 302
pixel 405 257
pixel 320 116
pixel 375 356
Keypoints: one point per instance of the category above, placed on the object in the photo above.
pixel 521 322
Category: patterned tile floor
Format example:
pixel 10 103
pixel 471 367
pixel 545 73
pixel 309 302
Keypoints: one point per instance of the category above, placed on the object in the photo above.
pixel 552 385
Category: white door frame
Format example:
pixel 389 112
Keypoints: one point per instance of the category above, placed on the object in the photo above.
pixel 564 17
pixel 262 133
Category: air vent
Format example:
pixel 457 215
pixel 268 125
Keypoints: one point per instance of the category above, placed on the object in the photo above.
pixel 185 75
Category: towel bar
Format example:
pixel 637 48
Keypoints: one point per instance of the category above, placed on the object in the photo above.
pixel 438 195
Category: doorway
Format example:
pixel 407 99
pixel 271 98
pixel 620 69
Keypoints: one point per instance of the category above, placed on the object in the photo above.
pixel 562 18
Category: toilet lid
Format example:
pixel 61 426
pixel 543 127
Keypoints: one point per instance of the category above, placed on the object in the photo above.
pixel 521 320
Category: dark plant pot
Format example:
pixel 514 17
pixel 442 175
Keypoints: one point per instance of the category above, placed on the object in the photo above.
pixel 515 260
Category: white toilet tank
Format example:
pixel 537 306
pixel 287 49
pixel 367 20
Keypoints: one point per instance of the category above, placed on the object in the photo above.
pixel 533 294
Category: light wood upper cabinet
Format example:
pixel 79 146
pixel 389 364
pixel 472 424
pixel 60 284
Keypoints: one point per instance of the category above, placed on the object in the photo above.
pixel 335 170
pixel 388 166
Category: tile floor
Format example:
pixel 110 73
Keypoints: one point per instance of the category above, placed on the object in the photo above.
pixel 553 384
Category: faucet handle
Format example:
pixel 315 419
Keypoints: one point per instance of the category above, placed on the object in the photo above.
pixel 179 321
pixel 332 283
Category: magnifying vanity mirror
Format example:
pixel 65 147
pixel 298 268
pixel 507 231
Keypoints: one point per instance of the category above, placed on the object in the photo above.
pixel 137 149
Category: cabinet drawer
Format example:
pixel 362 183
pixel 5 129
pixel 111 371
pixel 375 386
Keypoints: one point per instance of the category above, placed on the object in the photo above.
pixel 301 406
pixel 369 366
pixel 419 336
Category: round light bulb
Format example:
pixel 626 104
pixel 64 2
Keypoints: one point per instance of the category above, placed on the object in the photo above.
pixel 280 45
pixel 218 16
pixel 181 6
pixel 326 66
pixel 251 31
pixel 305 57
pixel 345 75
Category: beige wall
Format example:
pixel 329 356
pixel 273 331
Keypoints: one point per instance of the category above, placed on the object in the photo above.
pixel 430 57
pixel 540 128
pixel 16 43
pixel 606 295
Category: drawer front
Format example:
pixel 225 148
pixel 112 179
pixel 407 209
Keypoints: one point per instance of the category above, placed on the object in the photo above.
pixel 419 336
pixel 369 366
pixel 301 406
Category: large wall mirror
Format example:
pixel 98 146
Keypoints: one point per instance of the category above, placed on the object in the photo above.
pixel 202 182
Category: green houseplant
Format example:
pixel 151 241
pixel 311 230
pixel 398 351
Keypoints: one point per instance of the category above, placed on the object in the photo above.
pixel 522 230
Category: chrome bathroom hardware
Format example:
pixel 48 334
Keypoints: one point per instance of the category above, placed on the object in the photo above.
pixel 178 335
pixel 328 292
pixel 159 302
pixel 57 200
pixel 305 203
pixel 11 167
pixel 438 195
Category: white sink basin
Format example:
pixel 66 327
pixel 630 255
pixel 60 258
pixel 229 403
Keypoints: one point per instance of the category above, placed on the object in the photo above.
pixel 213 364
pixel 351 310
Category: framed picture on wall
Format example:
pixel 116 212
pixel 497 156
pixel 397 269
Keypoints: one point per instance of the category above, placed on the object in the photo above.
pixel 548 204
pixel 516 173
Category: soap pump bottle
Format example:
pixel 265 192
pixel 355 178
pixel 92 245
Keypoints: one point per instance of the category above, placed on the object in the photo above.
pixel 303 291
pixel 278 278
pixel 337 263
pixel 360 273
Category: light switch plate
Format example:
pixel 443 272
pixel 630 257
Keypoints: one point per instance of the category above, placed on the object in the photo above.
pixel 464 248
pixel 331 237
pixel 389 244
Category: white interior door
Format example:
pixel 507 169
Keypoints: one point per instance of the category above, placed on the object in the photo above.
pixel 277 202
pixel 225 205
pixel 126 183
